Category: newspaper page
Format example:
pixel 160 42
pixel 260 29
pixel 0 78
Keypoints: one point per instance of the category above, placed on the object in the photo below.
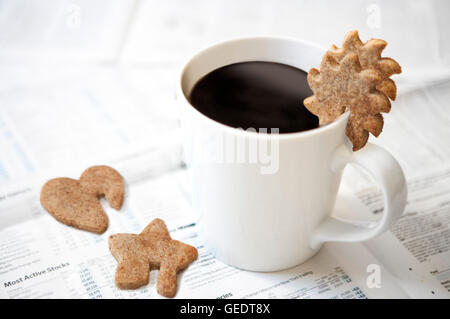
pixel 42 258
pixel 419 243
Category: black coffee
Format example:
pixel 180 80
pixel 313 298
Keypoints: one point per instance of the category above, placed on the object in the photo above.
pixel 256 95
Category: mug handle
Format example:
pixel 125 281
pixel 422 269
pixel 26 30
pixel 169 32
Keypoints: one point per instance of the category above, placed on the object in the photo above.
pixel 386 171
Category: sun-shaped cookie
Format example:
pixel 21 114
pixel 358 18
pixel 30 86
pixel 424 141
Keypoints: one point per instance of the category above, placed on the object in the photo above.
pixel 369 54
pixel 338 86
pixel 355 77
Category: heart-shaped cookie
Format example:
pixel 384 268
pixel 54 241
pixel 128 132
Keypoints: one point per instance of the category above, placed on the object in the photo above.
pixel 76 202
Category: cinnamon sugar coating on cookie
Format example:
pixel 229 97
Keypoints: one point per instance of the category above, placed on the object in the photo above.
pixel 67 201
pixel 76 202
pixel 369 54
pixel 356 78
pixel 104 181
pixel 153 248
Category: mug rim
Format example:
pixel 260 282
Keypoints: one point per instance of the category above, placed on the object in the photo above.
pixel 233 130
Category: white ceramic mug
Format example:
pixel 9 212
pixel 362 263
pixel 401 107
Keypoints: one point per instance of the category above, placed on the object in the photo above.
pixel 272 220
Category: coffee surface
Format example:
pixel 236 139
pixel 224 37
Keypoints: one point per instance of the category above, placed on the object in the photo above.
pixel 256 95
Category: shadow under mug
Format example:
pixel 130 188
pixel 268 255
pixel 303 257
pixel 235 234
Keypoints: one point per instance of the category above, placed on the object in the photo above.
pixel 268 219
